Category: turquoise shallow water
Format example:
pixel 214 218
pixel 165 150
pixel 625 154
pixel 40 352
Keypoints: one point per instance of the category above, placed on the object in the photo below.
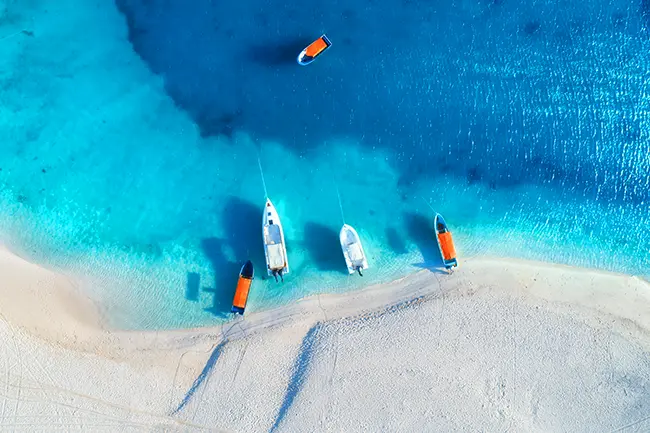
pixel 130 144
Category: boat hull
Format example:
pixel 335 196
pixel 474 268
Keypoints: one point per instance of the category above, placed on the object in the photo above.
pixel 353 252
pixel 244 283
pixel 445 242
pixel 313 50
pixel 275 249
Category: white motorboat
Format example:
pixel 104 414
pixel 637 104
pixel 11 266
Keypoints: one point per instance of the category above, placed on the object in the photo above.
pixel 355 257
pixel 275 249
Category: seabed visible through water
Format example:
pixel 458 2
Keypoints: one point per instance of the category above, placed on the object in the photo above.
pixel 130 137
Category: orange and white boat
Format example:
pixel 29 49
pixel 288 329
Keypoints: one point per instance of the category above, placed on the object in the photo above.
pixel 243 287
pixel 314 50
pixel 445 242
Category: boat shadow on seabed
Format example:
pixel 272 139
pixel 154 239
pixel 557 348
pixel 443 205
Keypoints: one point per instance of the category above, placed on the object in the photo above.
pixel 238 218
pixel 419 229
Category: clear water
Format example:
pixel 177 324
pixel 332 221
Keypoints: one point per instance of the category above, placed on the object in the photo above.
pixel 130 135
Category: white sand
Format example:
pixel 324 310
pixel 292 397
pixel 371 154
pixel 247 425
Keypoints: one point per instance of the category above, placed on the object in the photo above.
pixel 497 346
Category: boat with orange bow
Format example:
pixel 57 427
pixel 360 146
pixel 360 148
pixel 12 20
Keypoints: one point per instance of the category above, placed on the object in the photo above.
pixel 314 50
pixel 445 242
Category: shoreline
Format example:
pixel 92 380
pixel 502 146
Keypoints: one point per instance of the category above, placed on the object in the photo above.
pixel 464 334
pixel 65 317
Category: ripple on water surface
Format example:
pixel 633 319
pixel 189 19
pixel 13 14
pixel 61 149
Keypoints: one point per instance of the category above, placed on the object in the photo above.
pixel 130 143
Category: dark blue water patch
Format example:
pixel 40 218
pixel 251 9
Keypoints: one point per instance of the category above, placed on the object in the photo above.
pixel 498 93
pixel 242 222
pixel 645 9
pixel 214 124
pixel 193 286
pixel 243 239
pixel 281 54
pixel 226 273
pixel 324 248
pixel 395 241
pixel 532 27
pixel 419 228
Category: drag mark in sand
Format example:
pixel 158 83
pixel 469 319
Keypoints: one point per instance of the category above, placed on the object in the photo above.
pixel 209 365
pixel 334 341
pixel 330 379
pixel 19 387
pixel 513 316
pixel 307 348
pixel 635 423
pixel 240 359
pixel 6 390
pixel 441 321
pixel 214 356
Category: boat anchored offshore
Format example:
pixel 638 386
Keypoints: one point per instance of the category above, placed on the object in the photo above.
pixel 243 287
pixel 445 242
pixel 314 50
pixel 274 247
pixel 355 257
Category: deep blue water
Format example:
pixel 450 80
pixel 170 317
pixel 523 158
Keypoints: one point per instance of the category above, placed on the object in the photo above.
pixel 131 134
pixel 497 92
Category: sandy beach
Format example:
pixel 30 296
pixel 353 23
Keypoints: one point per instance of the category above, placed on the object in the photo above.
pixel 499 345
